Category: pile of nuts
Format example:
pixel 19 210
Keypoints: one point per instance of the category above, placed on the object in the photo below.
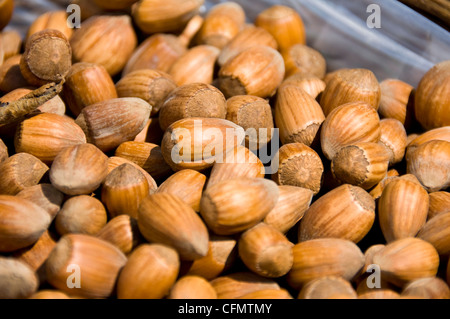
pixel 95 204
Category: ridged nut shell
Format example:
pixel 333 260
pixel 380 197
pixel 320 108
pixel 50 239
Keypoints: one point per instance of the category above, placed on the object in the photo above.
pixel 192 287
pixel 441 134
pixel 393 137
pixel 121 231
pixel 439 203
pixel 56 20
pixel 115 161
pixel 395 95
pixel 308 83
pixel 437 232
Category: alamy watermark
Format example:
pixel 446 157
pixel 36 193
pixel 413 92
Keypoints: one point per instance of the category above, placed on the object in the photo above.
pixel 74 17
pixel 374 19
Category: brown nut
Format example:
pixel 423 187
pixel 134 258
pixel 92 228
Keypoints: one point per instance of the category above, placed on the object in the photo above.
pixel 192 287
pixel 56 20
pixel 45 196
pixel 121 231
pixel 308 83
pixel 17 279
pixel 114 4
pixel 437 232
pixel 11 77
pixel 328 287
pixel 151 133
pixel 7 8
pixel 393 136
pixel 439 203
pixel 440 134
pixel 394 101
pixel 429 288
pixel 303 59
pixel 11 42
pixel 115 161
pixel 49 294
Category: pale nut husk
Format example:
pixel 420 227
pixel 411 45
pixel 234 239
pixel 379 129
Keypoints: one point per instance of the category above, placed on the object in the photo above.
pixel 299 165
pixel 232 206
pixel 349 124
pixel 361 164
pixel 109 123
pixel 266 251
pixel 152 16
pixel 237 163
pixel 148 156
pixel 79 169
pixel 324 257
pixel 429 288
pixel 249 37
pixel 197 143
pixel 20 171
pixel 186 184
pixel 195 66
pixel 430 164
pixel 115 161
pixel 432 106
pixel 257 70
pixel 395 99
pixel 297 124
pixel 285 25
pixel 407 259
pixel 106 40
pixel 291 206
pixel 327 287
pixel 402 209
pixel 308 83
pixel 437 232
pixel 192 100
pixel 123 190
pixel 238 284
pixel 305 60
pixel 164 218
pixel 268 294
pixel 86 84
pixel 150 272
pixel 393 137
pixel 121 231
pixel 51 20
pixel 17 279
pixel 254 115
pixel 81 215
pixel 351 85
pixel 97 262
pixel 47 134
pixel 152 86
pixel 192 287
pixel 346 212
pixel 439 203
pixel 222 23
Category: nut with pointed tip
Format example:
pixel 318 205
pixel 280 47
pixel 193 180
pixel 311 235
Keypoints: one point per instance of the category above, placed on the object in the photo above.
pixel 150 272
pixel 186 184
pixel 304 60
pixel 437 232
pixel 222 23
pixel 192 100
pixel 439 204
pixel 266 251
pixel 429 162
pixel 47 134
pixel 238 284
pixel 116 161
pixel 197 143
pixel 290 208
pixel 351 85
pixel 45 196
pixel 254 115
pixel 81 214
pixel 192 287
pixel 98 261
pixel 327 287
pixel 105 40
pixel 222 253
pixel 232 206
pixel 395 100
pixel 346 212
pixel 152 86
pixel 123 190
pixel 348 124
pixel 432 108
pixel 393 137
pixel 109 123
pixel 429 288
pixel 362 164
pixel 20 171
pixel 121 231
pixel 324 257
pixel 407 259
pixel 402 209
pixel 297 125
pixel 257 70
pixel 17 279
pixel 308 83
pixel 239 162
pixel 79 169
pixel 56 20
pixel 249 37
pixel 285 25
pixel 299 165
pixel 47 57
pixel 86 84
pixel 166 219
pixel 22 223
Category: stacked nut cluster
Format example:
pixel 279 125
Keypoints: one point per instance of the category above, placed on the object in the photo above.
pixel 94 204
